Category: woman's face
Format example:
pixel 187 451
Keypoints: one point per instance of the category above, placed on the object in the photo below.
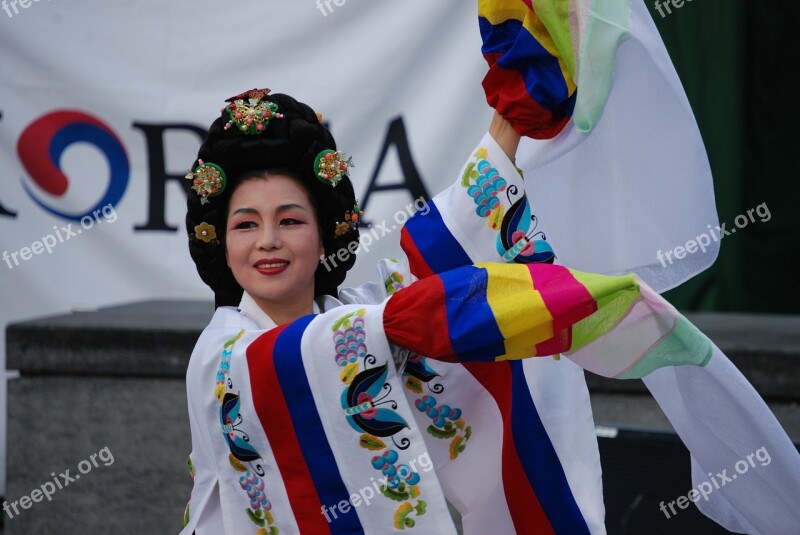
pixel 272 242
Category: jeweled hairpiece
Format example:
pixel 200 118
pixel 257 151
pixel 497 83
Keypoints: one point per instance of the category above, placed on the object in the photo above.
pixel 351 220
pixel 250 112
pixel 208 180
pixel 331 166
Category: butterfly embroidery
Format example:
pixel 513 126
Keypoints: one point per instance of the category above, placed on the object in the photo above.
pixel 361 403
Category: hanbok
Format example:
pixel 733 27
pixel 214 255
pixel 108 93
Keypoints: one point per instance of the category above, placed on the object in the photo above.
pixel 310 427
pixel 451 392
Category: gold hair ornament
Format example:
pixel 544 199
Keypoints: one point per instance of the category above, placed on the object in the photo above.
pixel 250 112
pixel 208 180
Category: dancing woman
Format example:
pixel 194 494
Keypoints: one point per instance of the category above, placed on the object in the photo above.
pixel 416 403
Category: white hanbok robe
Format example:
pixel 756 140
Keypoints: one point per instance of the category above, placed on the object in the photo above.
pixel 310 427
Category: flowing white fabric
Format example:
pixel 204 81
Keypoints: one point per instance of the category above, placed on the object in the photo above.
pixel 637 186
pixel 727 427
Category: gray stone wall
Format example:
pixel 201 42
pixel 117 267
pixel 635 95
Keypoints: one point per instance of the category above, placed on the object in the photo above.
pixel 141 482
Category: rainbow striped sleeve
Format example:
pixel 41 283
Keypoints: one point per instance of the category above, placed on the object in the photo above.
pixel 494 312
pixel 535 50
pixel 529 82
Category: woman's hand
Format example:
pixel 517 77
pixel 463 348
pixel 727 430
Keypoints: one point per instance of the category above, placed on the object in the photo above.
pixel 504 135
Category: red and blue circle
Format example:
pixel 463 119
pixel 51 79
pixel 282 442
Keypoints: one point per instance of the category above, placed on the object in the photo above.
pixel 43 142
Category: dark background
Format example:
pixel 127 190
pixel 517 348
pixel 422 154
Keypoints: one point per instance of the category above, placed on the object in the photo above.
pixel 735 59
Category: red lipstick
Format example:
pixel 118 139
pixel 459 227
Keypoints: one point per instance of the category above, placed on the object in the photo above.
pixel 271 266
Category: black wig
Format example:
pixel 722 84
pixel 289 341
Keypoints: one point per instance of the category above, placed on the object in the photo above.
pixel 289 144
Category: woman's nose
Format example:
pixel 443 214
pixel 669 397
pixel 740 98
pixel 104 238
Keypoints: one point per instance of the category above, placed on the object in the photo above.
pixel 269 238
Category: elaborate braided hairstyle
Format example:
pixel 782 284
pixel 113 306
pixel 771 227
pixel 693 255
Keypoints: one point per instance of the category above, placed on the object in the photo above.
pixel 287 142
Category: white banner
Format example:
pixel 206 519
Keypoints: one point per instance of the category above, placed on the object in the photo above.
pixel 104 103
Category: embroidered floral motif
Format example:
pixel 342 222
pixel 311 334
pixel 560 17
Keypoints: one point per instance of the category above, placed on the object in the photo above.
pixel 400 478
pixel 243 457
pixel 349 344
pixel 401 519
pixel 447 422
pixel 369 410
pixel 225 367
pixel 484 191
pixel 440 415
pixel 517 241
pixel 393 282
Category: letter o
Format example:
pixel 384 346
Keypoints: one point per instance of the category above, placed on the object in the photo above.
pixel 737 466
pixel 80 465
pixel 737 220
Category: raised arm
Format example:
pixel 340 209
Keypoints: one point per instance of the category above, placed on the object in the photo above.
pixel 505 136
pixel 483 217
pixel 615 326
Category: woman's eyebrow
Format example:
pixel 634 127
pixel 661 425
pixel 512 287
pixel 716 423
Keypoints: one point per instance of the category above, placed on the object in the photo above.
pixel 279 209
pixel 245 211
pixel 284 207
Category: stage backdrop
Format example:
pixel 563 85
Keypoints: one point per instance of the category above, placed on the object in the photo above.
pixel 104 104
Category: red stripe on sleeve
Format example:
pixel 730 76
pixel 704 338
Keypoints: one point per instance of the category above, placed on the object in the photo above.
pixel 415 318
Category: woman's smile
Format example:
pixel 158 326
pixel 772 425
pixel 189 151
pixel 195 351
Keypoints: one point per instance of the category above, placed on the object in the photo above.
pixel 271 266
